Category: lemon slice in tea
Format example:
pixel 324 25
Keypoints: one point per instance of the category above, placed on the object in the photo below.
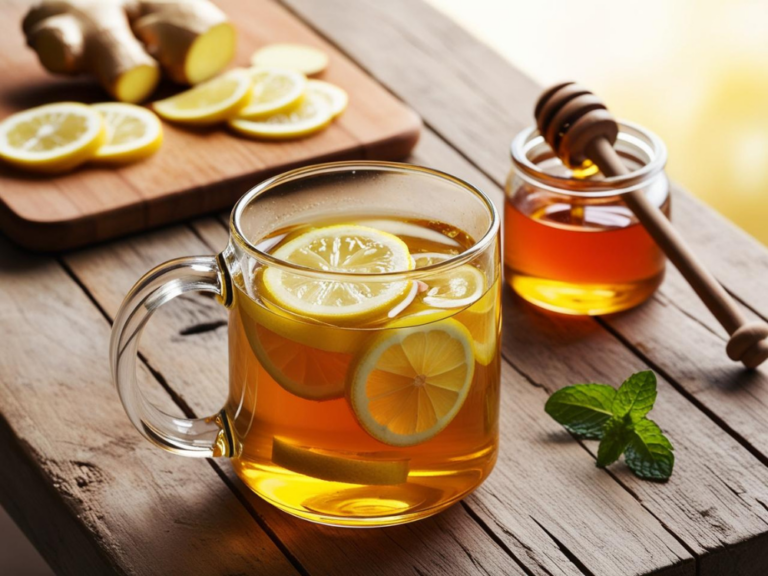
pixel 304 371
pixel 338 467
pixel 455 288
pixel 52 138
pixel 481 319
pixel 411 382
pixel 345 248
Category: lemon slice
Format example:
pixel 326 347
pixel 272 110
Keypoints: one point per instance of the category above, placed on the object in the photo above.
pixel 338 467
pixel 304 371
pixel 481 319
pixel 336 97
pixel 342 248
pixel 274 90
pixel 455 288
pixel 310 115
pixel 213 101
pixel 296 328
pixel 411 382
pixel 51 138
pixel 299 57
pixel 133 133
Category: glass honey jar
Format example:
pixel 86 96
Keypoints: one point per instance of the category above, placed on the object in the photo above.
pixel 571 245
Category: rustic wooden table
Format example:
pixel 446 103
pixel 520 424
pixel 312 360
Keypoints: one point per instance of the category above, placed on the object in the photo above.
pixel 96 498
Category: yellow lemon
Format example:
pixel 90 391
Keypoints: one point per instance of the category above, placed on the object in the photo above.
pixel 133 133
pixel 52 138
pixel 346 248
pixel 211 102
pixel 336 97
pixel 338 467
pixel 274 90
pixel 310 115
pixel 409 383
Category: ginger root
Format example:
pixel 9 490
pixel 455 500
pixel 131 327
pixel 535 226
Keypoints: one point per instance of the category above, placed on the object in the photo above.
pixel 192 40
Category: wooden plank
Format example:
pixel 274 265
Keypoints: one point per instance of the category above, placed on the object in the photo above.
pixel 196 171
pixel 93 496
pixel 530 515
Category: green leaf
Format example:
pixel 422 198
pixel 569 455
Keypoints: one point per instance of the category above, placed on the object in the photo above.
pixel 583 409
pixel 636 396
pixel 649 454
pixel 617 434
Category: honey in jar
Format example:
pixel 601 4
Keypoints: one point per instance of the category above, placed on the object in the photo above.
pixel 571 245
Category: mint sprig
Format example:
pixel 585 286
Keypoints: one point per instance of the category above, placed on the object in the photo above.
pixel 618 418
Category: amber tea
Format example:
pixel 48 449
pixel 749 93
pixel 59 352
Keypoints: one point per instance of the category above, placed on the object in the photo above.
pixel 365 402
pixel 364 322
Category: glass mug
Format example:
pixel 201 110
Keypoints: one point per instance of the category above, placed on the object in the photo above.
pixel 364 333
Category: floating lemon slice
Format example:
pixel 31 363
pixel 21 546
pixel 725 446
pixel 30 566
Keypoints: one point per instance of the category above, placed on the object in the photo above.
pixel 338 467
pixel 455 288
pixel 274 90
pixel 342 248
pixel 304 371
pixel 411 382
pixel 297 328
pixel 310 115
pixel 481 319
pixel 133 133
pixel 336 97
pixel 213 101
pixel 51 138
pixel 299 57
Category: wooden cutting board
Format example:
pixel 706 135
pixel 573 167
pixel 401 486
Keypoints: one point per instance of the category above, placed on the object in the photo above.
pixel 195 171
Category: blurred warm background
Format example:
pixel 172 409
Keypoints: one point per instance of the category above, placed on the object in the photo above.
pixel 693 71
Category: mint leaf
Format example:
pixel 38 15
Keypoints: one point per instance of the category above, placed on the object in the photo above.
pixel 617 434
pixel 649 454
pixel 636 396
pixel 583 409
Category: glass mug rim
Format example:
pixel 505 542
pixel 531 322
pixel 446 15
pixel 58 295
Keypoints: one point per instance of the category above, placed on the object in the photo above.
pixel 267 259
pixel 630 134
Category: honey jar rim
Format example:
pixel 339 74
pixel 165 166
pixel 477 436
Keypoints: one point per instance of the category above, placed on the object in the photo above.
pixel 631 136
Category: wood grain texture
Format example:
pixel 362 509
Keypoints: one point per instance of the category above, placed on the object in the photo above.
pixel 195 171
pixel 79 469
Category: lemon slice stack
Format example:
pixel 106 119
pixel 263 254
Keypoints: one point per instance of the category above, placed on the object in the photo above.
pixel 273 100
pixel 59 137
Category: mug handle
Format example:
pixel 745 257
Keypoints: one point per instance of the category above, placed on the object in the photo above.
pixel 196 437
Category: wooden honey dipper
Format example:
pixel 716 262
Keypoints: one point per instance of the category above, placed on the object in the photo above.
pixel 577 125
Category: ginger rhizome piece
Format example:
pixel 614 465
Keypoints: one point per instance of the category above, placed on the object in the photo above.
pixel 192 39
pixel 76 36
pixel 121 41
